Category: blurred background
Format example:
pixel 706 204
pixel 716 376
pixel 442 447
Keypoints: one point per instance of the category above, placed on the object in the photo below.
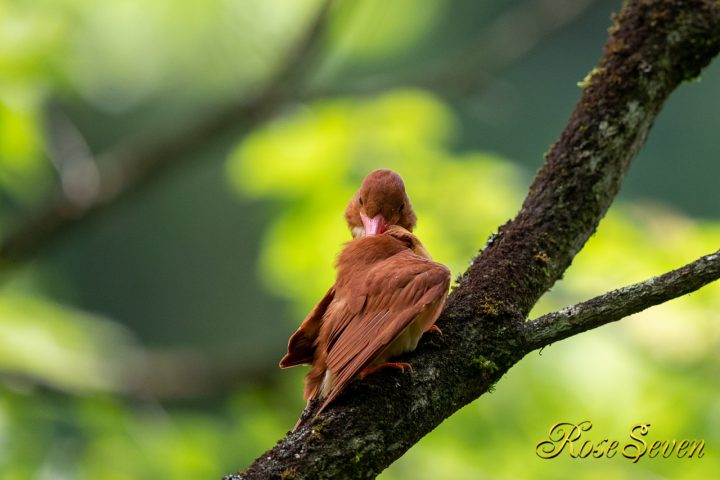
pixel 172 181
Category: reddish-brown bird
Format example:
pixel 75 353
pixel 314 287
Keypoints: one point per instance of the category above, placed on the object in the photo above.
pixel 380 202
pixel 388 292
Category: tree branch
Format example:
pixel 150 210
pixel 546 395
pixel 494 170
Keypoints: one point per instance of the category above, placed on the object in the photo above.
pixel 622 302
pixel 124 171
pixel 653 46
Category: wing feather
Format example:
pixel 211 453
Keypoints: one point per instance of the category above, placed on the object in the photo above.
pixel 396 291
pixel 301 346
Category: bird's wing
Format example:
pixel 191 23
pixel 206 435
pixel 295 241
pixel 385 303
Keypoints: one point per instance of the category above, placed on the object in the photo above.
pixel 301 346
pixel 394 292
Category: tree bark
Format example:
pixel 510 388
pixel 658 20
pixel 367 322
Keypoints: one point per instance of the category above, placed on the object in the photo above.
pixel 653 46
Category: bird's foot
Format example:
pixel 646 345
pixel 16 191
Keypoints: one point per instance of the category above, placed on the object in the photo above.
pixel 399 365
pixel 435 329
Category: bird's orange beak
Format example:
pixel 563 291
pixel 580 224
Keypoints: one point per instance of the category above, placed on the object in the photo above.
pixel 375 225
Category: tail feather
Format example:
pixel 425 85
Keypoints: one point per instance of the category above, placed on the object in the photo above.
pixel 313 382
pixel 318 384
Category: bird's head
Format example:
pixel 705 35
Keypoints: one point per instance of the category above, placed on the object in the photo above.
pixel 380 203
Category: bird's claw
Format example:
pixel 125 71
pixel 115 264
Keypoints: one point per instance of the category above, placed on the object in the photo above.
pixel 434 329
pixel 398 365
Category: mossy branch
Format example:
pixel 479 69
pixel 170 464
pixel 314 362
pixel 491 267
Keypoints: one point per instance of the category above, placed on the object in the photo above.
pixel 654 45
pixel 622 302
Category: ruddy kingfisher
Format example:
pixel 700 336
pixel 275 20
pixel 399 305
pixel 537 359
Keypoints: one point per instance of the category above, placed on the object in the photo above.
pixel 387 293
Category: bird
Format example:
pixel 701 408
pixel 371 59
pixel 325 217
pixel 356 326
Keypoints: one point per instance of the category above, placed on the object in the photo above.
pixel 380 202
pixel 387 293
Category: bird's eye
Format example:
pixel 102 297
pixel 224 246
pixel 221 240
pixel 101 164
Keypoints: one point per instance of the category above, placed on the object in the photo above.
pixel 402 207
pixel 360 200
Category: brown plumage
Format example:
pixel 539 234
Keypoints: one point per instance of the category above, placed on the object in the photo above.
pixel 388 292
pixel 380 202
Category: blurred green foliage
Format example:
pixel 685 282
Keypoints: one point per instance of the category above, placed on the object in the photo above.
pixel 365 37
pixel 66 348
pixel 65 407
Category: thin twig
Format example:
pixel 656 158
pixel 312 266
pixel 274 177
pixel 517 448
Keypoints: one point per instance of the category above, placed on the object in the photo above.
pixel 620 303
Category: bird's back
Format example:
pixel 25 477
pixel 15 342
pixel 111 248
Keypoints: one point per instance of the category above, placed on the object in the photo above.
pixel 382 288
